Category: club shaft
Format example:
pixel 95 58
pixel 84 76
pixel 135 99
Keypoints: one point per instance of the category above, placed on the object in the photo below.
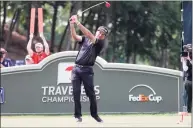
pixel 93 6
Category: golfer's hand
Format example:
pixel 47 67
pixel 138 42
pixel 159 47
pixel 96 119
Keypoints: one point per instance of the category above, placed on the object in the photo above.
pixel 71 21
pixel 74 19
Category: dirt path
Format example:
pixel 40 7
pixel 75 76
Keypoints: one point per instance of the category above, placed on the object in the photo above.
pixel 109 121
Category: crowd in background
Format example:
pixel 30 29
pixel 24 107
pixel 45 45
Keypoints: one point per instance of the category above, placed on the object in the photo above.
pixel 41 51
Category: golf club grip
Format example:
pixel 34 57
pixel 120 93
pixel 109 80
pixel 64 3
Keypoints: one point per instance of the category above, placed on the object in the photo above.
pixel 71 19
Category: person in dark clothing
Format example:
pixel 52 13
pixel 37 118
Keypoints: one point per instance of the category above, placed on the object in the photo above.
pixel 187 68
pixel 91 46
pixel 5 62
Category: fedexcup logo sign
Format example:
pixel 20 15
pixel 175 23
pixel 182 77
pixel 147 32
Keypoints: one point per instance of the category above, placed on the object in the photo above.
pixel 152 97
pixel 62 91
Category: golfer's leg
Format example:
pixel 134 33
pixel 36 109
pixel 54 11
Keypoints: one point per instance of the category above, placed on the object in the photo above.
pixel 88 82
pixel 76 83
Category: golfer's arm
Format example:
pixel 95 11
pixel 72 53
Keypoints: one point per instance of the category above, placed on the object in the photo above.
pixel 29 49
pixel 73 33
pixel 86 32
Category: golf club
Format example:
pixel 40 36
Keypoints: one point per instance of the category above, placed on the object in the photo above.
pixel 79 13
pixel 107 4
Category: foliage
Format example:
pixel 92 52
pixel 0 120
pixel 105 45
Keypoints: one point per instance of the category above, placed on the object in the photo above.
pixel 142 32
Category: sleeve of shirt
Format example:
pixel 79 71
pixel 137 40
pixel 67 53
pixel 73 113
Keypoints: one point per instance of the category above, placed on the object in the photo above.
pixel 81 42
pixel 99 45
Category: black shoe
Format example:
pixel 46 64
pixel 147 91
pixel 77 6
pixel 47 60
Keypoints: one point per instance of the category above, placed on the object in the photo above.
pixel 78 119
pixel 98 119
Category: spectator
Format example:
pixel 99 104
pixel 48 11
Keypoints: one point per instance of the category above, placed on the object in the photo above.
pixel 28 60
pixel 41 50
pixel 187 68
pixel 5 62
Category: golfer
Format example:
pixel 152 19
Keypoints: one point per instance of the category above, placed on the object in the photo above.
pixel 91 46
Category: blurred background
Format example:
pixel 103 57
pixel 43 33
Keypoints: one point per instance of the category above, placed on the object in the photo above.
pixel 141 32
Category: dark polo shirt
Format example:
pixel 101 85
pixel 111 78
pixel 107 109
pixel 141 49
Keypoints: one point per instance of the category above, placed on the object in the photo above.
pixel 88 51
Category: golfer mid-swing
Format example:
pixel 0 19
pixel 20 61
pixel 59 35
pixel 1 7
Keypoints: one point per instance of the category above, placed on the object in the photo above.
pixel 91 46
